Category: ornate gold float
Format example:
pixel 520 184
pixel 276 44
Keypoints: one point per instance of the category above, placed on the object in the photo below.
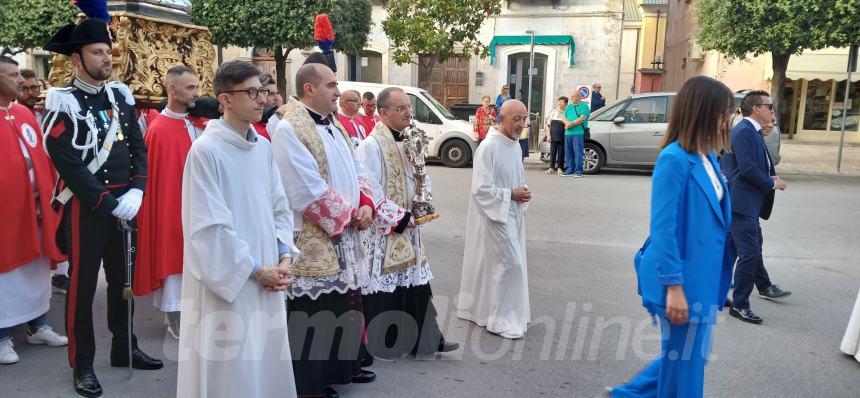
pixel 144 48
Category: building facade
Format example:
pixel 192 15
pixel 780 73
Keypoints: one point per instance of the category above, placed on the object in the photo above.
pixel 813 93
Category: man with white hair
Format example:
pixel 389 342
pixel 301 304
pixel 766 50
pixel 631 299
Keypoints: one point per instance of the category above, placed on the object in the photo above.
pixel 494 288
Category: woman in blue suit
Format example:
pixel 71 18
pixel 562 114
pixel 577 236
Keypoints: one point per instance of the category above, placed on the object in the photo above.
pixel 685 267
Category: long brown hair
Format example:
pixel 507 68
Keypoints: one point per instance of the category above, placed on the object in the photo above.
pixel 698 119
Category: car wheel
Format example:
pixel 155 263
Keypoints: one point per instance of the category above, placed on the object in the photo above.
pixel 456 153
pixel 595 159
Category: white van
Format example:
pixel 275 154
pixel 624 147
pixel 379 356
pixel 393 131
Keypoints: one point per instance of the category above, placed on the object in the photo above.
pixel 451 140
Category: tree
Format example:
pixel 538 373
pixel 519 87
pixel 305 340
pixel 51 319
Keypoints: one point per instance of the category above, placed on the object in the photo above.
pixel 740 28
pixel 31 23
pixel 282 25
pixel 352 21
pixel 435 30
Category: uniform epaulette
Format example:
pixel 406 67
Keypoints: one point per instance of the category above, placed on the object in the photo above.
pixel 122 89
pixel 61 99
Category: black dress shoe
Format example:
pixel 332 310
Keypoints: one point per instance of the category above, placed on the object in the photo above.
pixel 773 292
pixel 330 393
pixel 60 282
pixel 139 361
pixel 745 315
pixel 86 383
pixel 447 346
pixel 365 376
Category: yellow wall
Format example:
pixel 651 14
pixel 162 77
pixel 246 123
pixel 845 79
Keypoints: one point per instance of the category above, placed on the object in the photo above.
pixel 646 39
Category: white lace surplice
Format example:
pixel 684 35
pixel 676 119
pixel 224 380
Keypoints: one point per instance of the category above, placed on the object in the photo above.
pixel 387 217
pixel 304 185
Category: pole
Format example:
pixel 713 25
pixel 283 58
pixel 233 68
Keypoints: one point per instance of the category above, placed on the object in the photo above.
pixel 531 72
pixel 852 67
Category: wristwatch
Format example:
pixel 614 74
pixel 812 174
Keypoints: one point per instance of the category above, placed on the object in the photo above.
pixel 284 255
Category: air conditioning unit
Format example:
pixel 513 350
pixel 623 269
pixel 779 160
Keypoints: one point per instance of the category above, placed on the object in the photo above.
pixel 694 51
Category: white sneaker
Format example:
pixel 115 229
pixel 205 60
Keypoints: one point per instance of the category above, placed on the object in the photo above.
pixel 549 171
pixel 8 355
pixel 46 335
pixel 172 319
pixel 511 335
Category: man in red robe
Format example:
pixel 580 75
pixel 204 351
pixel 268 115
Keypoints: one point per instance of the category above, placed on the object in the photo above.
pixel 368 118
pixel 27 245
pixel 348 116
pixel 169 138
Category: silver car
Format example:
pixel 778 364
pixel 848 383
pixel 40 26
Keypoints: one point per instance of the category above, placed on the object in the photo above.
pixel 628 133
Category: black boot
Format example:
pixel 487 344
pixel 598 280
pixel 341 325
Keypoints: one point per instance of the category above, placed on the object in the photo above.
pixel 86 383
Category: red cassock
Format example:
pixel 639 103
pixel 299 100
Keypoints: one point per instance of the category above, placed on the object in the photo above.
pixel 260 128
pixel 354 127
pixel 160 219
pixel 369 122
pixel 20 240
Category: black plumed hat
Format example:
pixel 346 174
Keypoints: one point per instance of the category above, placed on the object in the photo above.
pixel 71 37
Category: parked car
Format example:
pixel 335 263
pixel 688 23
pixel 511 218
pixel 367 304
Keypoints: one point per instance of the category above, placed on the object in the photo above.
pixel 628 133
pixel 451 140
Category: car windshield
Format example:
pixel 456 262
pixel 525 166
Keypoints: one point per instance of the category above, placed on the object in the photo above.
pixel 608 108
pixel 439 108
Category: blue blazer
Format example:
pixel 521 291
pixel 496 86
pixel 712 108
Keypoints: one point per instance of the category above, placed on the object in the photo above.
pixel 689 243
pixel 746 168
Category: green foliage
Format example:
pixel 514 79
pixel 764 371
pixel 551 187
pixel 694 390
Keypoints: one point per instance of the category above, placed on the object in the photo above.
pixel 31 23
pixel 352 21
pixel 285 23
pixel 848 21
pixel 264 23
pixel 739 28
pixel 439 29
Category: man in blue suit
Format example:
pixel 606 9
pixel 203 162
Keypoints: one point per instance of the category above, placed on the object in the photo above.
pixel 752 182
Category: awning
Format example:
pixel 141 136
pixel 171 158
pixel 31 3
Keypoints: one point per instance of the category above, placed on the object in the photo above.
pixel 826 64
pixel 524 40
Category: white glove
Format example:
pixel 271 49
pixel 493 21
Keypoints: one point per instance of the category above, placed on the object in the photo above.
pixel 129 204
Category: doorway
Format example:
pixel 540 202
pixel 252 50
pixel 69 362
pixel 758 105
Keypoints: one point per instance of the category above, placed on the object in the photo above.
pixel 365 67
pixel 518 83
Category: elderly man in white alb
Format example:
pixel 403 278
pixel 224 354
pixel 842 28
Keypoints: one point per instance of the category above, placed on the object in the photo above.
pixel 494 288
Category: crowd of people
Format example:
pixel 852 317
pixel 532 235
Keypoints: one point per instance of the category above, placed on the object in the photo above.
pixel 324 231
pixel 277 234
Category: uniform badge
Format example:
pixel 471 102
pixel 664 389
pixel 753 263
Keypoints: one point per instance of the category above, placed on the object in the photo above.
pixel 120 136
pixel 29 135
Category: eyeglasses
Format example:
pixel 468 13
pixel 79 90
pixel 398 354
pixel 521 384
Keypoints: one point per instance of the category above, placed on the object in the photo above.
pixel 252 92
pixel 33 89
pixel 403 108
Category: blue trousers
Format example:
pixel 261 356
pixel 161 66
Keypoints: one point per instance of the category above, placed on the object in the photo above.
pixel 749 270
pixel 679 371
pixel 39 321
pixel 574 148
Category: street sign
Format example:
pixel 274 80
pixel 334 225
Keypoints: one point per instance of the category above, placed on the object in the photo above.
pixel 584 92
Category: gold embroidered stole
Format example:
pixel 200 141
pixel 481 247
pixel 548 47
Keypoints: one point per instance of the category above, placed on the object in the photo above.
pixel 399 253
pixel 318 256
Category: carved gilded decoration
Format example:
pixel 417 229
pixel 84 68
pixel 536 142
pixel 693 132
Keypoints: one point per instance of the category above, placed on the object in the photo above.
pixel 144 49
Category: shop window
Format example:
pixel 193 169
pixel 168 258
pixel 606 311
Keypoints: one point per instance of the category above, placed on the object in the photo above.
pixel 853 115
pixel 818 95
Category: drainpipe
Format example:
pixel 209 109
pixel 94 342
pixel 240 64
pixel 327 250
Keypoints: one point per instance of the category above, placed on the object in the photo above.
pixel 620 51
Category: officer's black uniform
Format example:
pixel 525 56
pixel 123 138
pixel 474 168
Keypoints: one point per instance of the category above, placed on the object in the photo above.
pixel 91 234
